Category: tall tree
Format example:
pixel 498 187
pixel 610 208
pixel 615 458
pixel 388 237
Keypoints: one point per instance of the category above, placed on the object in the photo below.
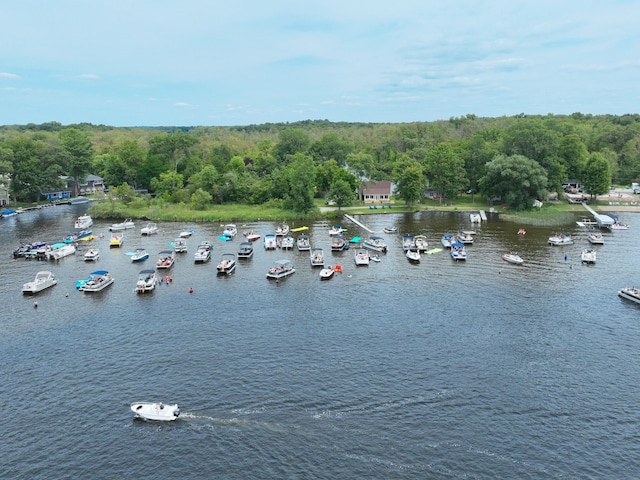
pixel 409 179
pixel 290 142
pixel 330 147
pixel 596 178
pixel 573 155
pixel 517 179
pixel 78 151
pixel 444 167
pixel 300 174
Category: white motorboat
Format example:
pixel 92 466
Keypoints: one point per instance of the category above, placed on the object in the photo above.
pixel 251 236
pixel 155 411
pixel 446 240
pixel 44 279
pixel 270 242
pixel 302 243
pixel 326 273
pixel 375 243
pixel 227 264
pixel 245 250
pixel 619 226
pixel 475 218
pixel 97 281
pixel 588 256
pixel 287 242
pixel 413 254
pixel 458 252
pixel 316 257
pixel 280 269
pixel 562 238
pixel 92 255
pixel 338 243
pixel 375 258
pixel 630 293
pixel 282 230
pixel 126 224
pixel 230 230
pixel 83 222
pixel 116 240
pixel 408 242
pixel 392 229
pixel 361 256
pixel 150 229
pixel 59 250
pixel 140 255
pixel 147 281
pixel 421 243
pixel 186 233
pixel 336 229
pixel 464 237
pixel 203 252
pixel 179 245
pixel 595 238
pixel 513 257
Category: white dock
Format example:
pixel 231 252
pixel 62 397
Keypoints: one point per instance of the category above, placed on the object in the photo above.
pixel 361 225
pixel 483 215
pixel 603 221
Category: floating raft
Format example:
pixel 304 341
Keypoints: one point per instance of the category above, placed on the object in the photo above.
pixel 299 229
pixel 433 250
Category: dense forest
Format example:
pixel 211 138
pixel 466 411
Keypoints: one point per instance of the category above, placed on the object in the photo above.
pixel 517 158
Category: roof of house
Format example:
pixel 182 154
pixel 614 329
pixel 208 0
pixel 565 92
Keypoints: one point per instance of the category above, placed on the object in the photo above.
pixel 376 187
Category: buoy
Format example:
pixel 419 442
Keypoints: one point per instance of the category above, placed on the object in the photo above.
pixel 66 294
pixel 190 290
pixel 35 304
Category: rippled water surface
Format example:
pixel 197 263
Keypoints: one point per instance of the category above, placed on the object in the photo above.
pixel 480 369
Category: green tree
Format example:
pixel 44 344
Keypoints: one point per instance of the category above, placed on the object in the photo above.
pixel 517 179
pixel 596 178
pixel 341 192
pixel 167 184
pixel 290 142
pixel 300 174
pixel 200 199
pixel 573 155
pixel 171 148
pixel 409 179
pixel 444 166
pixel 78 151
pixel 330 147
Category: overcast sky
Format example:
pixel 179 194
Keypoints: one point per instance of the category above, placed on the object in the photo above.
pixel 207 62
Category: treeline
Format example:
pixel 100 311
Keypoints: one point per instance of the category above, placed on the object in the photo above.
pixel 517 158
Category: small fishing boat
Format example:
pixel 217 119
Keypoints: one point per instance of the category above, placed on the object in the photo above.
pixel 588 256
pixel 375 258
pixel 150 229
pixel 43 280
pixel 630 293
pixel 282 230
pixel 166 258
pixel 245 250
pixel 302 243
pixel 326 273
pixel 96 282
pixel 155 411
pixel 179 245
pixel 230 230
pixel 227 264
pixel 458 252
pixel 316 257
pixel 203 252
pixel 270 242
pixel 392 229
pixel 83 222
pixel 186 233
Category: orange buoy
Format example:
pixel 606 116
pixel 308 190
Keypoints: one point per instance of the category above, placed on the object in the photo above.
pixel 190 290
pixel 337 268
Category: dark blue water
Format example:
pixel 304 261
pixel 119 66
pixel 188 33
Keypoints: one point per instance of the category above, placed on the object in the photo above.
pixel 439 370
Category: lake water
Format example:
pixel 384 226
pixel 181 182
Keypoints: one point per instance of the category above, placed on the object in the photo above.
pixel 438 370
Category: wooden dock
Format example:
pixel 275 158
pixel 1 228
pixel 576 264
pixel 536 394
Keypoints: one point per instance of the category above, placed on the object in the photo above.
pixel 361 225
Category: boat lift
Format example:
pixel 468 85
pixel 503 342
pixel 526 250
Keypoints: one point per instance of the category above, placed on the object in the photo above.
pixel 603 221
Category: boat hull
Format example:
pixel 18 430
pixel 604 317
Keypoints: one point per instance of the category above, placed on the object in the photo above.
pixel 156 411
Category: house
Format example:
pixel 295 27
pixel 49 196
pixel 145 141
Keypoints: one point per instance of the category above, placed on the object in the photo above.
pixel 375 191
pixel 91 184
pixel 4 196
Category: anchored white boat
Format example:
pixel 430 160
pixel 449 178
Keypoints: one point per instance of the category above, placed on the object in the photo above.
pixel 146 281
pixel 464 237
pixel 44 279
pixel 116 240
pixel 287 242
pixel 280 269
pixel 562 238
pixel 375 243
pixel 270 242
pixel 413 254
pixel 302 243
pixel 83 222
pixel 588 256
pixel 227 264
pixel 245 250
pixel 150 229
pixel 446 240
pixel 630 293
pixel 421 243
pixel 97 281
pixel 126 224
pixel 513 257
pixel 230 230
pixel 60 250
pixel 180 245
pixel 595 238
pixel 475 218
pixel 203 252
pixel 140 255
pixel 361 256
pixel 458 252
pixel 92 255
pixel 155 411
pixel 336 229
pixel 282 230
pixel 166 258
pixel 316 257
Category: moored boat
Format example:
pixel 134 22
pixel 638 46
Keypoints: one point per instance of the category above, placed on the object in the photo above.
pixel 227 264
pixel 316 257
pixel 59 250
pixel 124 225
pixel 270 242
pixel 43 280
pixel 149 229
pixel 562 238
pixel 421 243
pixel 203 252
pixel 336 229
pixel 230 230
pixel 281 269
pixel 595 238
pixel 97 281
pixel 92 255
pixel 155 411
pixel 326 273
pixel 186 233
pixel 166 258
pixel 630 293
pixel 116 240
pixel 375 243
pixel 302 243
pixel 413 254
pixel 446 240
pixel 391 229
pixel 475 218
pixel 140 255
pixel 513 257
pixel 338 243
pixel 458 251
pixel 83 222
pixel 619 226
pixel 408 242
pixel 245 250
pixel 147 281
pixel 251 236
pixel 464 237
pixel 179 245
pixel 361 256
pixel 282 230
pixel 287 242
pixel 588 256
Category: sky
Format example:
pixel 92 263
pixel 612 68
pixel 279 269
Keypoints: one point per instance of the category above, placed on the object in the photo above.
pixel 243 62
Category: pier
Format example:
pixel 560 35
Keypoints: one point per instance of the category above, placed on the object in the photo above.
pixel 603 221
pixel 361 225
